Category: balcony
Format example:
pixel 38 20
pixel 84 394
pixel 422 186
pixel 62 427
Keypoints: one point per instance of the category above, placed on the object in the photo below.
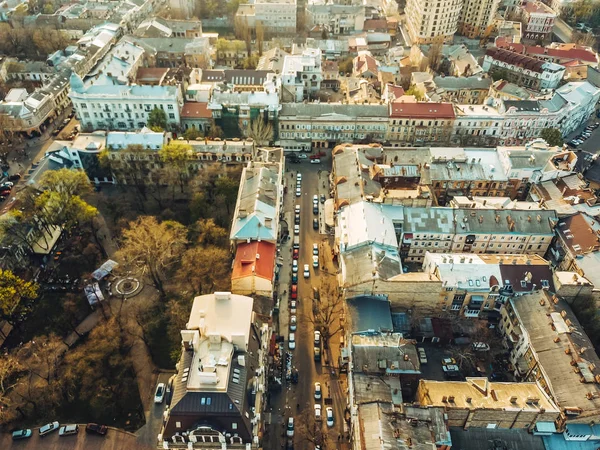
pixel 471 312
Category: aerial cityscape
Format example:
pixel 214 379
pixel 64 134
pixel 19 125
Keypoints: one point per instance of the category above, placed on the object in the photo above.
pixel 300 224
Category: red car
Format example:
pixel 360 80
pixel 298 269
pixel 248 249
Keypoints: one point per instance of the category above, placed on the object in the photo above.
pixel 94 428
pixel 295 253
pixel 5 193
pixel 294 291
pixel 317 155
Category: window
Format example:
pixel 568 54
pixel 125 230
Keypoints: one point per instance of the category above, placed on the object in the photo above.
pixel 234 425
pixel 523 283
pixel 171 115
pixel 169 106
pixel 177 424
pixel 208 400
pixel 203 401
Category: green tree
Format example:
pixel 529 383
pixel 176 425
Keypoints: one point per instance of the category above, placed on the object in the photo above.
pixel 153 247
pixel 250 62
pixel 205 269
pixel 215 132
pixel 177 154
pixel 48 8
pixel 413 90
pixel 157 120
pixel 228 188
pixel 191 134
pixel 499 74
pixel 14 294
pixel 206 232
pixel 552 136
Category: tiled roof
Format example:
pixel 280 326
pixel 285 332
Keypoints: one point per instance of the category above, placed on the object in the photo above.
pixel 565 51
pixel 256 258
pixel 150 74
pixel 515 59
pixel 195 110
pixel 427 110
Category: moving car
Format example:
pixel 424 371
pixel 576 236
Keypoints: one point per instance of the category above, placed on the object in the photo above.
pixel 159 395
pixel 94 428
pixel 329 414
pixel 306 271
pixel 318 393
pixel 293 323
pixel 315 161
pixel 292 341
pixel 317 411
pixel 48 428
pixel 315 262
pixel 21 434
pixel 290 427
pixel 68 430
pixel 316 249
pixel 422 355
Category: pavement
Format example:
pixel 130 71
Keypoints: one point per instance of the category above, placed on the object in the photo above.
pixel 562 30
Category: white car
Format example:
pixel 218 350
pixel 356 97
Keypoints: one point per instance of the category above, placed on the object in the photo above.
pixel 298 176
pixel 315 199
pixel 317 338
pixel 329 414
pixel 422 355
pixel 317 411
pixel 298 192
pixel 306 271
pixel 302 156
pixel 316 249
pixel 292 341
pixel 480 347
pixel 159 395
pixel 295 266
pixel 296 230
pixel 293 323
pixel 318 393
pixel 290 427
pixel 297 209
pixel 315 161
pixel 315 262
pixel 293 308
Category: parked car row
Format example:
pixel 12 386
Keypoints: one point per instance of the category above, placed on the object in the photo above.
pixel 65 430
pixel 585 135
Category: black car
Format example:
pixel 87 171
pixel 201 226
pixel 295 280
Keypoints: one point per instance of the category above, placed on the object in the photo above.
pixel 322 198
pixel 297 219
pixel 315 224
pixel 94 428
pixel 14 177
pixel 315 209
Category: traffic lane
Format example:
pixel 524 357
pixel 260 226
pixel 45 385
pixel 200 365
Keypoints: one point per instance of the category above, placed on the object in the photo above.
pixel 114 440
pixel 148 434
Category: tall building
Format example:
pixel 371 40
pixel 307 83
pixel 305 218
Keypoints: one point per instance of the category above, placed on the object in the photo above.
pixel 275 16
pixel 432 20
pixel 476 17
pixel 437 20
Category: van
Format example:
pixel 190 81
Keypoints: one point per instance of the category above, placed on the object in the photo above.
pixel 296 241
pixel 68 430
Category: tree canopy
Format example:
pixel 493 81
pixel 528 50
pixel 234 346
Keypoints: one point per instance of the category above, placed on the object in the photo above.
pixel 14 291
pixel 157 120
pixel 552 136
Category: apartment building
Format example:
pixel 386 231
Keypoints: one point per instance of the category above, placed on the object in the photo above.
pixel 479 285
pixel 480 403
pixel 453 230
pixel 275 16
pixel 337 18
pixel 303 126
pixel 522 69
pixel 301 75
pixel 432 20
pixel 420 123
pixel 477 17
pixel 548 345
pixel 477 125
pixel 463 90
pixel 556 52
pixel 539 19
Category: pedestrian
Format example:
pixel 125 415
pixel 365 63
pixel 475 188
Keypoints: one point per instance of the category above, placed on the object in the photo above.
pixel 339 437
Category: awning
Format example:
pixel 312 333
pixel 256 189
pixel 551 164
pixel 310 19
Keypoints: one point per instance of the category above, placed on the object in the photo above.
pixel 93 294
pixel 45 244
pixel 104 270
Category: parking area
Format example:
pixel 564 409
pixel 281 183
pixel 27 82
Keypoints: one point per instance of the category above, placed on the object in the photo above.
pixel 585 138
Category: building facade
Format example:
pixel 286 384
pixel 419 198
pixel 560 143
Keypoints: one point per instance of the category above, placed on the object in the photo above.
pixel 420 124
pixel 432 21
pixel 477 17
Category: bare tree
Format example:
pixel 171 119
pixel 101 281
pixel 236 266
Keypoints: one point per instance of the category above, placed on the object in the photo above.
pixel 309 429
pixel 435 54
pixel 326 313
pixel 259 130
pixel 243 32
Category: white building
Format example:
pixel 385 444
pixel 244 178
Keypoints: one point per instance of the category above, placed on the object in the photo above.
pixel 275 16
pixel 432 21
pixel 476 125
pixel 539 19
pixel 338 18
pixel 301 75
pixel 477 17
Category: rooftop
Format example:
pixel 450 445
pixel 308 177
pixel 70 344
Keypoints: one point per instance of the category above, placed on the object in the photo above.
pixel 369 313
pixel 333 110
pixel 384 354
pixel 499 438
pixel 195 110
pixel 254 258
pixel 422 110
pixel 580 233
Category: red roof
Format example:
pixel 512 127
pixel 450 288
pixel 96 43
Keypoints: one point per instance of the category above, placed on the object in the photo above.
pixel 515 59
pixel 565 52
pixel 150 74
pixel 195 110
pixel 254 257
pixel 418 110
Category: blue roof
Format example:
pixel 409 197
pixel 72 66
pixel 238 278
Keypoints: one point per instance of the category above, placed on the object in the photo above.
pixel 545 427
pixel 558 442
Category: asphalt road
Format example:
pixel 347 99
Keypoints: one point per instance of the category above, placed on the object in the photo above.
pixel 592 144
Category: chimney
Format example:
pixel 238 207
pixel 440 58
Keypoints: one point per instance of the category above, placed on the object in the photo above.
pixel 268 222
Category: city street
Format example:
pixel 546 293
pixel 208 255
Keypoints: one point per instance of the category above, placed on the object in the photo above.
pixel 592 144
pixel 298 399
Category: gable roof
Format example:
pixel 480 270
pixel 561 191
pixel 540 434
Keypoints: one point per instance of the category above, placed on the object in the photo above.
pixel 254 258
pixel 195 110
pixel 422 110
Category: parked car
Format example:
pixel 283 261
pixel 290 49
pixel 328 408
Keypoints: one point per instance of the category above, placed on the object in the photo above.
pixel 448 361
pixel 296 229
pixel 315 224
pixel 5 192
pixel 6 185
pixel 21 434
pixel 293 323
pixel 298 176
pixel 315 262
pixel 68 430
pixel 48 428
pixel 302 156
pixel 292 341
pixel 298 192
pixel 297 219
pixel 315 209
pixel 294 266
pixel 315 161
pixel 317 412
pixel 159 395
pixel 293 309
pixel 94 428
pixel 317 353
pixel 322 198
pixel 318 393
pixel 317 338
pixel 294 291
pixel 294 278
pixel 480 347
pixel 296 253
pixel 316 249
pixel 297 209
pixel 422 355
pixel 14 177
pixel 329 414
pixel 290 427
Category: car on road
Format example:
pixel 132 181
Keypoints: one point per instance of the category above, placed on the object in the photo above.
pixel 293 309
pixel 317 353
pixel 296 229
pixel 159 395
pixel 48 428
pixel 422 355
pixel 293 323
pixel 315 262
pixel 302 156
pixel 297 219
pixel 448 362
pixel 295 265
pixel 68 430
pixel 322 198
pixel 451 371
pixel 480 347
pixel 298 176
pixel 5 192
pixel 290 427
pixel 329 414
pixel 317 338
pixel 292 341
pixel 294 278
pixel 315 199
pixel 315 224
pixel 6 185
pixel 14 177
pixel 94 428
pixel 294 291
pixel 297 209
pixel 315 161
pixel 17 435
pixel 306 271
pixel 317 411
pixel 318 393
pixel 296 253
pixel 316 249
pixel 315 209
pixel 298 192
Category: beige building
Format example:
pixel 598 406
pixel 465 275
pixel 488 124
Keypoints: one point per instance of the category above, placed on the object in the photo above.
pixel 477 17
pixel 432 20
pixel 479 403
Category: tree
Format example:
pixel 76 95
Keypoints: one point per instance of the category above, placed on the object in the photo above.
pixel 243 32
pixel 552 136
pixel 499 74
pixel 260 37
pixel 435 54
pixel 9 369
pixel 153 247
pixel 191 134
pixel 326 313
pixel 157 120
pixel 346 66
pixel 14 295
pixel 308 429
pixel 48 8
pixel 130 167
pixel 228 188
pixel 215 132
pixel 205 269
pixel 586 39
pixel 177 154
pixel 414 90
pixel 250 62
pixel 260 131
pixel 206 233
